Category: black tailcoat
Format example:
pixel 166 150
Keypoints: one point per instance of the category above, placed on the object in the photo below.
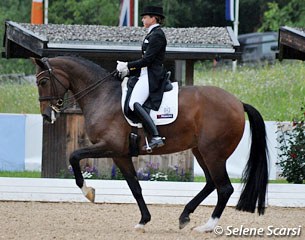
pixel 153 53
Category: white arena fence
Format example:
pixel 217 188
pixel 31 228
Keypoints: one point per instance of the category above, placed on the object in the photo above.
pixel 117 191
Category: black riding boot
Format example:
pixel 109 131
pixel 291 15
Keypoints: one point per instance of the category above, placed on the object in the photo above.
pixel 149 126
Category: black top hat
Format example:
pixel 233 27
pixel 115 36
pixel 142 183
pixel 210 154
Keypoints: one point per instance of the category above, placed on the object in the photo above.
pixel 152 10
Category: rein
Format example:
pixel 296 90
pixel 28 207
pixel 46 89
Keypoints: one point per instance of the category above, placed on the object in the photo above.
pixel 75 97
pixel 70 100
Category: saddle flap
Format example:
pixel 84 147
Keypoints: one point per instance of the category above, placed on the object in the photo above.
pixel 168 110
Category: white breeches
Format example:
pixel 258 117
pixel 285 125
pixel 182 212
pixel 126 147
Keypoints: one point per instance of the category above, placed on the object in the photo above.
pixel 140 91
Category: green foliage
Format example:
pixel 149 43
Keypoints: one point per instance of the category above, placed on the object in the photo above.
pixel 10 8
pixel 292 150
pixel 16 66
pixel 102 12
pixel 196 13
pixel 250 19
pixel 290 14
pixel 17 11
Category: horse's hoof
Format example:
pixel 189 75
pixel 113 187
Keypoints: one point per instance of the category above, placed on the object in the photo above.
pixel 140 228
pixel 91 194
pixel 184 222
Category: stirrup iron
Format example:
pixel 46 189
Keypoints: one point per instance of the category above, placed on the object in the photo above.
pixel 153 144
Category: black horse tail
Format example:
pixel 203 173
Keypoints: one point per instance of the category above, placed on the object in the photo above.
pixel 255 174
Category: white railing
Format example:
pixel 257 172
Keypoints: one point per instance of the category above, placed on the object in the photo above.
pixel 117 191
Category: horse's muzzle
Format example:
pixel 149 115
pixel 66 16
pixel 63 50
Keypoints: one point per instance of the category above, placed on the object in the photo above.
pixel 49 115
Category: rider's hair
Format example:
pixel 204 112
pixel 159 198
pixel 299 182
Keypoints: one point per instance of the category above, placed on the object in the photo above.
pixel 159 19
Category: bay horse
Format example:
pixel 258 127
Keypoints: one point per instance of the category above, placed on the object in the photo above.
pixel 210 121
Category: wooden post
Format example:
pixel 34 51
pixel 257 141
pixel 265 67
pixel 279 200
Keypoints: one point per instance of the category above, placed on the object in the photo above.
pixel 184 72
pixel 180 71
pixel 54 148
pixel 189 72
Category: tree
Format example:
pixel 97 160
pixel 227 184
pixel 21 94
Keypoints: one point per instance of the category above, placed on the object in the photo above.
pixel 17 11
pixel 279 14
pixel 103 12
pixel 196 13
pixel 205 13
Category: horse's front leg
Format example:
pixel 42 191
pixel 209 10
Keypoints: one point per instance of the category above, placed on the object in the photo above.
pixel 93 151
pixel 127 169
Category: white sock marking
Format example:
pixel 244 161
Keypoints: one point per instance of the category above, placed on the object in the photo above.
pixel 85 189
pixel 209 226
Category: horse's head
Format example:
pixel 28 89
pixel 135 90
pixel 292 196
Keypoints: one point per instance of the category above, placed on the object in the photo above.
pixel 52 86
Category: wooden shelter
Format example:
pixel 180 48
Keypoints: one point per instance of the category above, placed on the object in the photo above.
pixel 105 45
pixel 291 43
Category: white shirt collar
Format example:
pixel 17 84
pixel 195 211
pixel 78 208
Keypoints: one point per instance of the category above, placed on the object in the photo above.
pixel 152 26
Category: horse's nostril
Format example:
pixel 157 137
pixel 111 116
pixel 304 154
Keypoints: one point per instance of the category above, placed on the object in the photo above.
pixel 46 118
pixel 47 114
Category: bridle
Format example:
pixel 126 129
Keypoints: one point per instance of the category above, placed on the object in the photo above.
pixel 60 102
pixel 53 79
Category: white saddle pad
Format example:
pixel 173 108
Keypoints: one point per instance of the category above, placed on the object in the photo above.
pixel 168 110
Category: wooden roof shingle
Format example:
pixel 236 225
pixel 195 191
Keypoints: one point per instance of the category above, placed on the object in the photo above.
pixel 24 40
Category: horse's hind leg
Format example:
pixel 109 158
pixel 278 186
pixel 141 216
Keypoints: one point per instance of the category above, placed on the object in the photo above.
pixel 129 173
pixel 184 218
pixel 217 169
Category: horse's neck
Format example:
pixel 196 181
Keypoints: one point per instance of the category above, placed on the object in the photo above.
pixel 103 97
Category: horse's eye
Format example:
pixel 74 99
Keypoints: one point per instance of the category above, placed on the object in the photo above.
pixel 42 82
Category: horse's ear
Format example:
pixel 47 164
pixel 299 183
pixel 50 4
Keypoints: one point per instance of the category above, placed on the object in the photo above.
pixel 38 62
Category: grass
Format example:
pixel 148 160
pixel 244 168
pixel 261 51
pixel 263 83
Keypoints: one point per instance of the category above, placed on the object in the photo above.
pixel 25 174
pixel 18 98
pixel 277 91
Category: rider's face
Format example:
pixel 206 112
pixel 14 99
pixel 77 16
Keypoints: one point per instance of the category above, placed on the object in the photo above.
pixel 148 21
